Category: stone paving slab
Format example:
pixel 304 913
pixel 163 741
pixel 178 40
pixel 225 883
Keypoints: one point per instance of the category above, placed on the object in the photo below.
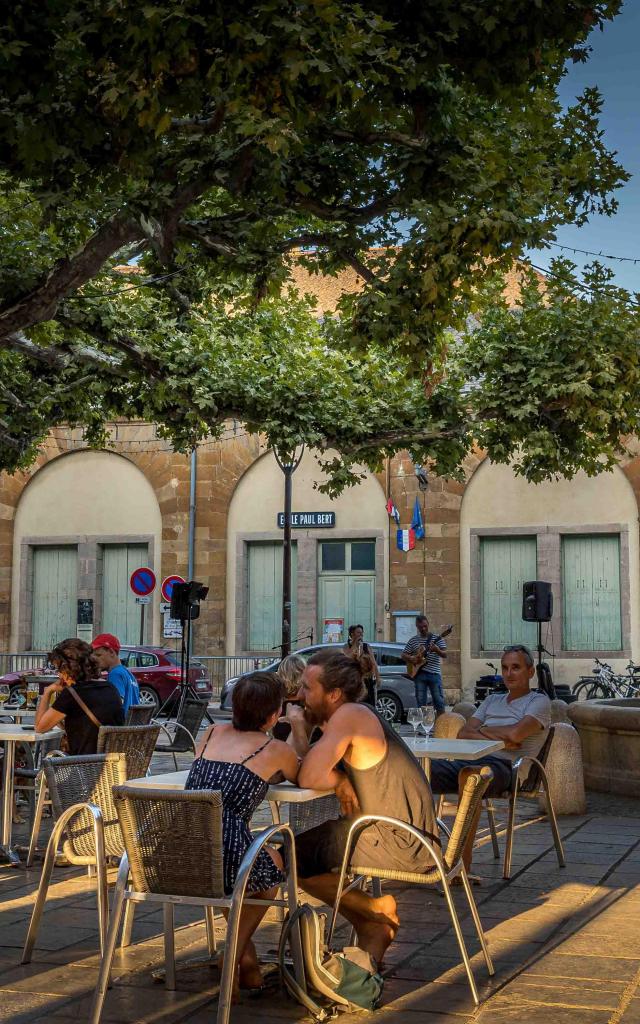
pixel 565 942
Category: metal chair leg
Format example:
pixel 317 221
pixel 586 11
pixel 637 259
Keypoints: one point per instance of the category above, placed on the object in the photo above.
pixel 37 819
pixel 41 898
pixel 102 885
pixel 127 924
pixel 492 828
pixel 230 954
pixel 110 945
pixel 460 937
pixel 553 821
pixel 506 873
pixel 169 948
pixel 210 921
pixel 476 920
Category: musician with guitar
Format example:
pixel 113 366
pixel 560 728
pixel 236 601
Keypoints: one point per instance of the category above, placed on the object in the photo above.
pixel 423 655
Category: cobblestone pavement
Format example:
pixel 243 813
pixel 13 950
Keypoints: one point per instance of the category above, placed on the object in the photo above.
pixel 566 943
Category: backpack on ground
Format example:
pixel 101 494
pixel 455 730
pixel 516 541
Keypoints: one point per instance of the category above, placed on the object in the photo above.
pixel 347 980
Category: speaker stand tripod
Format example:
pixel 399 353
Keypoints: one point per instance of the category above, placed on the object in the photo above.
pixel 184 687
pixel 543 672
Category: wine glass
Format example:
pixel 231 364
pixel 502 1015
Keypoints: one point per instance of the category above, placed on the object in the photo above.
pixel 33 692
pixel 428 718
pixel 414 718
pixel 5 693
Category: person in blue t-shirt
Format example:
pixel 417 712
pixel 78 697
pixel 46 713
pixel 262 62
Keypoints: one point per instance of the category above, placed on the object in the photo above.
pixel 106 648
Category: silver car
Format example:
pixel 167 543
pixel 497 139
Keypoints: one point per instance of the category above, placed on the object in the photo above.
pixel 395 692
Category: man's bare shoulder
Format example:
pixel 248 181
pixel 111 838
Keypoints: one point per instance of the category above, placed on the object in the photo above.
pixel 355 718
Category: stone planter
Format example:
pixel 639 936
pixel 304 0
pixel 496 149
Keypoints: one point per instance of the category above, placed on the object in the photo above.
pixel 610 735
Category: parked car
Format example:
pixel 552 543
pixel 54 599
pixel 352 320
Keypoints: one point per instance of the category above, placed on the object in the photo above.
pixel 156 669
pixel 395 693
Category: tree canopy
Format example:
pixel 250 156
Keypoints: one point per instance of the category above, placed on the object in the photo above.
pixel 164 163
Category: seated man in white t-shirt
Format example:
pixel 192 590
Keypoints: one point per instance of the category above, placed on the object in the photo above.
pixel 520 718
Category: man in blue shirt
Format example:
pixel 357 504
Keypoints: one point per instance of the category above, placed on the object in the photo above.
pixel 106 648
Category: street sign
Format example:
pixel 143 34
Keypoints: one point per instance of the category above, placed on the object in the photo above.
pixel 144 600
pixel 142 581
pixel 168 584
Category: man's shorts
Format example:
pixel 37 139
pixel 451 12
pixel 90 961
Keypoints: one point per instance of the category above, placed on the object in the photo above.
pixel 444 774
pixel 320 850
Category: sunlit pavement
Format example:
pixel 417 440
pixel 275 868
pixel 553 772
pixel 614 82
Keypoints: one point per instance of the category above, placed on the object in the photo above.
pixel 565 942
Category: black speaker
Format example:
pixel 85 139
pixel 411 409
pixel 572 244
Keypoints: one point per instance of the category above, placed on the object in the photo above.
pixel 185 600
pixel 537 601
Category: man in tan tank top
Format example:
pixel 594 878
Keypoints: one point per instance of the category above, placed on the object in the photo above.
pixel 373 772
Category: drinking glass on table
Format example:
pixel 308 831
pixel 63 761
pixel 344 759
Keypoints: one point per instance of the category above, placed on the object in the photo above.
pixel 428 718
pixel 414 718
pixel 33 692
pixel 5 693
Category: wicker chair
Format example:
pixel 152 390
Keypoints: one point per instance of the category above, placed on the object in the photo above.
pixel 447 866
pixel 173 844
pixel 187 727
pixel 139 714
pixel 84 810
pixel 28 778
pixel 527 787
pixel 137 742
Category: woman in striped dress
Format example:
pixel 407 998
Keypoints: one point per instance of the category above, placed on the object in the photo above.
pixel 240 759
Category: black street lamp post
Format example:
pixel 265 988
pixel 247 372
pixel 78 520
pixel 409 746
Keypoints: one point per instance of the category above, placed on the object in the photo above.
pixel 288 463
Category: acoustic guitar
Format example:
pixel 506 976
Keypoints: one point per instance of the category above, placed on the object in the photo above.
pixel 422 652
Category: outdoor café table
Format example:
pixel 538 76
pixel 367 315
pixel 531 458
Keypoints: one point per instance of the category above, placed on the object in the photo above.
pixel 10 735
pixel 425 749
pixel 279 793
pixel 17 711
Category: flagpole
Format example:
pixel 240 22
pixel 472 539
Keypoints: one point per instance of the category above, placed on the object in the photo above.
pixel 424 553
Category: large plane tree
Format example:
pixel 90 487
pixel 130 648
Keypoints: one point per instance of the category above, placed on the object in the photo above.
pixel 164 163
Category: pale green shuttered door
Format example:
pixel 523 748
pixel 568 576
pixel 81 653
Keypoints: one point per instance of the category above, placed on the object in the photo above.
pixel 351 598
pixel 506 563
pixel 591 593
pixel 55 575
pixel 265 596
pixel 120 613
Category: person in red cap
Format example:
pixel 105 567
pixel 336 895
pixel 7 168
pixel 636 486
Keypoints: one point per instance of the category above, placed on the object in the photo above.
pixel 106 648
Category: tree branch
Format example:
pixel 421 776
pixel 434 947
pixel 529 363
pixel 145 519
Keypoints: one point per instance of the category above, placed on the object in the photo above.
pixel 392 439
pixel 351 214
pixel 68 275
pixel 200 125
pixel 373 138
pixel 58 358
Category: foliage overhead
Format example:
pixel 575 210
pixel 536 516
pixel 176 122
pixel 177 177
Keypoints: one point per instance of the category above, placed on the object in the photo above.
pixel 165 162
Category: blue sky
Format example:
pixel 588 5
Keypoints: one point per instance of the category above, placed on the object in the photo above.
pixel 614 67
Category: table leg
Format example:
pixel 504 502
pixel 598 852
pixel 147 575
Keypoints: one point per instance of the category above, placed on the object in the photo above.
pixel 7 854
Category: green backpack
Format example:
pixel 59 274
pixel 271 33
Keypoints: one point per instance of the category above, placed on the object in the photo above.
pixel 346 980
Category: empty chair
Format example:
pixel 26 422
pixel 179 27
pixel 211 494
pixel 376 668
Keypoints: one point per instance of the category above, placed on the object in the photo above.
pixel 81 797
pixel 187 726
pixel 447 866
pixel 528 787
pixel 137 742
pixel 174 855
pixel 139 714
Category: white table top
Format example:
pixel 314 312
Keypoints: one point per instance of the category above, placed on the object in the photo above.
pixel 17 712
pixel 11 731
pixel 460 750
pixel 282 792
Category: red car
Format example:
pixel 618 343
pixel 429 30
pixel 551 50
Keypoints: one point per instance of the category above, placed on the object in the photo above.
pixel 157 672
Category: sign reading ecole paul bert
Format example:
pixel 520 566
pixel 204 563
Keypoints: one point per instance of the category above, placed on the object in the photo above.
pixel 309 520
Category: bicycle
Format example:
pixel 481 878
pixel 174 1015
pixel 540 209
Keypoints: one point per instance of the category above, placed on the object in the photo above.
pixel 608 684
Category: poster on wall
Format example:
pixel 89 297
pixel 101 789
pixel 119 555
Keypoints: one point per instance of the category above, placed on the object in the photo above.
pixel 332 631
pixel 405 623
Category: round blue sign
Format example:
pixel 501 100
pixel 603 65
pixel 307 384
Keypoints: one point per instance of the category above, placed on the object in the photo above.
pixel 142 581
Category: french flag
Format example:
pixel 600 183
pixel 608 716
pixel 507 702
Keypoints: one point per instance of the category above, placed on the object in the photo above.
pixel 406 539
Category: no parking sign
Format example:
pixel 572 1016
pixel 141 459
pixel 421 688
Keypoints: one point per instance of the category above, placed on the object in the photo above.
pixel 168 584
pixel 142 581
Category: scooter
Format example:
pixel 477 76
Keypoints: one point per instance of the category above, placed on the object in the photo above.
pixel 488 684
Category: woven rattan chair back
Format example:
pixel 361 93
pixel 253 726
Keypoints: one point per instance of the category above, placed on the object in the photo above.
pixel 136 742
pixel 304 816
pixel 473 791
pixel 86 779
pixel 190 717
pixel 173 840
pixel 448 725
pixel 140 714
pixel 531 784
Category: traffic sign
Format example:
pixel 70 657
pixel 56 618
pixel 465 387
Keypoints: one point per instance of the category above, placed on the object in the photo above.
pixel 168 584
pixel 142 581
pixel 144 600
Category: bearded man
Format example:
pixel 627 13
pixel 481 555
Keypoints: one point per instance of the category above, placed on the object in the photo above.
pixel 378 774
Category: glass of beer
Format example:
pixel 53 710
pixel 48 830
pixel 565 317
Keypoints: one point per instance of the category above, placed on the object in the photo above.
pixel 5 693
pixel 33 692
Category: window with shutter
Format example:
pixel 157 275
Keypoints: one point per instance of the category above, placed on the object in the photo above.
pixel 506 563
pixel 591 593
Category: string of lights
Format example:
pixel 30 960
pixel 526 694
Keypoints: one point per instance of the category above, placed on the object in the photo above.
pixel 598 255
